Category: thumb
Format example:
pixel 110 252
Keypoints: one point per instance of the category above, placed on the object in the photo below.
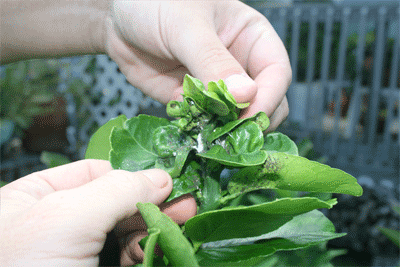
pixel 202 52
pixel 103 202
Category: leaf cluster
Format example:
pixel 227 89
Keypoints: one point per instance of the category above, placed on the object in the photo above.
pixel 206 138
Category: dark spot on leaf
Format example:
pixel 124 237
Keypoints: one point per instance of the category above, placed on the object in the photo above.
pixel 272 165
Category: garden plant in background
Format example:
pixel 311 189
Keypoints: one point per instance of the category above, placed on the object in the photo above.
pixel 205 140
pixel 392 234
pixel 34 109
pixel 27 90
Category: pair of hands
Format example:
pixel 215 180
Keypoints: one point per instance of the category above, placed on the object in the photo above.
pixel 61 216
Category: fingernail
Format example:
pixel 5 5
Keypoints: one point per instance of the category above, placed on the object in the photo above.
pixel 238 81
pixel 157 177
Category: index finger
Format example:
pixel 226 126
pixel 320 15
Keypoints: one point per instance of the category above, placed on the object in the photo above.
pixel 268 64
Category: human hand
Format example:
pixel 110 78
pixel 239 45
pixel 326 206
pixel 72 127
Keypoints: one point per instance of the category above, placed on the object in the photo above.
pixel 155 43
pixel 61 216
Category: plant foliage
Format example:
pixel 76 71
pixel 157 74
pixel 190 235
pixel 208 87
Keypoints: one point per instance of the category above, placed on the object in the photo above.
pixel 206 138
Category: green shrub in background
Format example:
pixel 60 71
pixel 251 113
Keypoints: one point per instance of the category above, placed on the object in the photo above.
pixel 51 159
pixel 391 234
pixel 27 88
pixel 30 88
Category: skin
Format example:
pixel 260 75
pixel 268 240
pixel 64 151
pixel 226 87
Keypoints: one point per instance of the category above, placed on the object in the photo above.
pixel 61 216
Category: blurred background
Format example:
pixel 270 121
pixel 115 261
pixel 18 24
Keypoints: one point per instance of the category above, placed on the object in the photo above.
pixel 344 111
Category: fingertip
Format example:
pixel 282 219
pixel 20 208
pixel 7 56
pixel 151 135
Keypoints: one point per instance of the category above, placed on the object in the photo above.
pixel 177 94
pixel 158 177
pixel 242 87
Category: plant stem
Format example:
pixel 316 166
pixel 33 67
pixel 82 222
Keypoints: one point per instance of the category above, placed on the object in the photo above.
pixel 224 200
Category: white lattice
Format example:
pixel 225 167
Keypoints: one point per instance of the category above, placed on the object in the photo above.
pixel 113 93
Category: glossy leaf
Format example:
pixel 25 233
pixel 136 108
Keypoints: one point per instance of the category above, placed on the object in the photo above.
pixel 240 148
pixel 171 240
pixel 221 90
pixel 208 101
pixel 278 142
pixel 260 118
pixel 289 172
pixel 219 154
pixel 172 145
pixel 132 146
pixel 99 145
pixel 127 154
pixel 169 140
pixel 211 195
pixel 188 182
pixel 300 231
pixel 245 255
pixel 244 222
pixel 149 142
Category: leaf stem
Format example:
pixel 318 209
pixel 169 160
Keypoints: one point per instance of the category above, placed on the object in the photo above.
pixel 224 200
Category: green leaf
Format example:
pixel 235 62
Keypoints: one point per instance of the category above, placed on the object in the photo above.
pixel 240 148
pixel 260 118
pixel 99 145
pixel 149 142
pixel 127 154
pixel 51 159
pixel 329 255
pixel 211 195
pixel 278 142
pixel 287 193
pixel 208 101
pixel 169 141
pixel 269 261
pixel 322 196
pixel 172 145
pixel 171 240
pixel 315 255
pixel 2 183
pixel 132 146
pixel 245 255
pixel 293 232
pixel 220 89
pixel 289 172
pixel 393 235
pixel 150 246
pixel 243 222
pixel 188 182
pixel 255 199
